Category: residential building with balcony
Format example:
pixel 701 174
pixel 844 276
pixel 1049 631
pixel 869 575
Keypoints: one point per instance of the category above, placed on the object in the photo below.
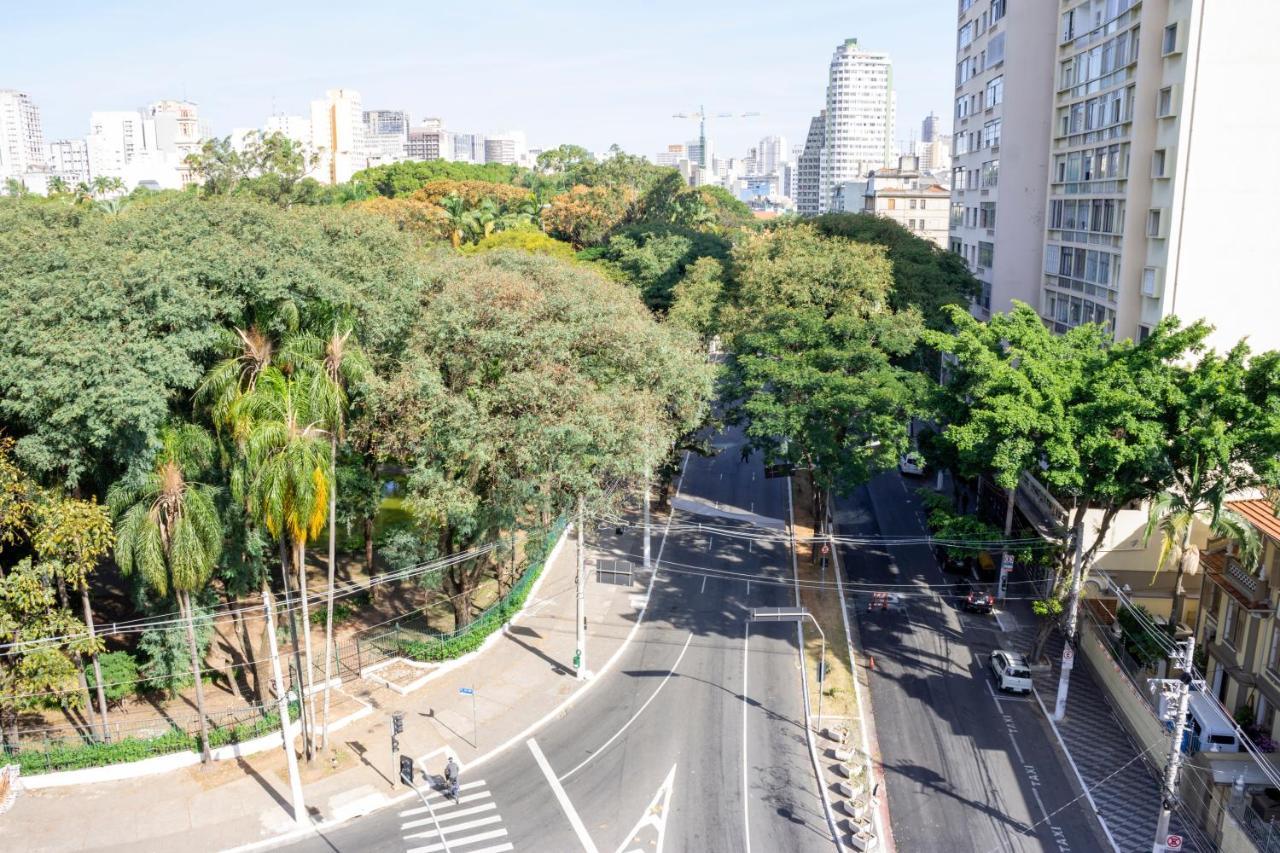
pixel 859 127
pixel 22 150
pixel 1001 117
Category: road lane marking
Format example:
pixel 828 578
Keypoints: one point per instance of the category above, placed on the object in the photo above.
pixel 434 795
pixel 628 723
pixel 414 824
pixel 457 827
pixel 655 816
pixel 556 788
pixel 704 584
pixel 470 839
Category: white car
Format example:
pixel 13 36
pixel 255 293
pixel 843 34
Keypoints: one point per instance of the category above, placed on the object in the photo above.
pixel 912 463
pixel 1011 671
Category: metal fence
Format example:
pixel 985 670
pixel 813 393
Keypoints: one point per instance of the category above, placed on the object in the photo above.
pixel 1265 832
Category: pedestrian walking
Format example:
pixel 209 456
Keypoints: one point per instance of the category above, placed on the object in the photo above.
pixel 451 778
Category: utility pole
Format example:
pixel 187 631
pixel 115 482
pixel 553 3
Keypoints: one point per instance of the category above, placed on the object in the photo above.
pixel 1005 556
pixel 580 656
pixel 1073 621
pixel 282 705
pixel 1178 689
pixel 648 473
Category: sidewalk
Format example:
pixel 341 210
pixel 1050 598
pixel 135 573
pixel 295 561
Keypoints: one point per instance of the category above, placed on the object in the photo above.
pixel 521 677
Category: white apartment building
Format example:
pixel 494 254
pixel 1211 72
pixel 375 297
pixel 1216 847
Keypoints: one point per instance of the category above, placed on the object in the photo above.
pixel 505 148
pixel 147 146
pixel 337 135
pixel 68 159
pixel 429 141
pixel 935 154
pixel 771 155
pixel 117 139
pixel 1003 108
pixel 22 150
pixel 912 199
pixel 386 135
pixel 672 156
pixel 859 122
pixel 297 128
pixel 1152 99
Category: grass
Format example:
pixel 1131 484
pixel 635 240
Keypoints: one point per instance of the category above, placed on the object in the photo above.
pixel 839 703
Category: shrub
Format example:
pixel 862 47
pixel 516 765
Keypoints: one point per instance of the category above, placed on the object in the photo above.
pixel 119 676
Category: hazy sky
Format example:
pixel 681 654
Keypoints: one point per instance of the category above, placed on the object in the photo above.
pixel 593 73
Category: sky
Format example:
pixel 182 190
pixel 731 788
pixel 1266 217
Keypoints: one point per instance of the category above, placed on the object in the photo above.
pixel 589 73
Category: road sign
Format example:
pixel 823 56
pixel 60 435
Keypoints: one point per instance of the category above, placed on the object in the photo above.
pixel 778 614
pixel 616 572
pixel 1006 563
pixel 826 549
pixel 1068 657
pixel 1173 842
pixel 467 691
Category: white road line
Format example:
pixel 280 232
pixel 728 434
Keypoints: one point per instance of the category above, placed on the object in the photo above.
pixel 414 824
pixel 434 795
pixel 1043 811
pixel 704 584
pixel 628 723
pixel 457 827
pixel 470 839
pixel 497 848
pixel 570 812
pixel 746 648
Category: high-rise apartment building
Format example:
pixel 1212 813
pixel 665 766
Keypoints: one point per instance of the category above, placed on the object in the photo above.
pixel 429 141
pixel 22 148
pixel 68 159
pixel 930 128
pixel 116 140
pixel 297 128
pixel 1003 107
pixel 337 135
pixel 1125 112
pixel 771 153
pixel 808 181
pixel 467 147
pixel 859 117
pixel 147 146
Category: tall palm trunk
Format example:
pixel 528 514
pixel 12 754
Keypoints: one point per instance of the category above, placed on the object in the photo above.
pixel 1180 594
pixel 328 620
pixel 97 667
pixel 297 647
pixel 309 661
pixel 261 659
pixel 184 604
pixel 83 681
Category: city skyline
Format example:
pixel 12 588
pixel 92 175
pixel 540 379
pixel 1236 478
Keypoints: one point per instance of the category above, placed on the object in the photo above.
pixel 518 80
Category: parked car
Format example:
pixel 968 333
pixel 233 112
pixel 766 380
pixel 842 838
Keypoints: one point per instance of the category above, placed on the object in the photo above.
pixel 1011 671
pixel 973 598
pixel 911 463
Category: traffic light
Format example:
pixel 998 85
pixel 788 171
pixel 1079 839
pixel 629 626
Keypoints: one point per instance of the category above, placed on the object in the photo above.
pixel 397 722
pixel 406 769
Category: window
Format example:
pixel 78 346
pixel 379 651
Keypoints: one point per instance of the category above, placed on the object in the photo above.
pixel 986 252
pixel 1170 43
pixel 990 173
pixel 1150 282
pixel 987 214
pixel 1230 626
pixel 1069 25
pixel 997 10
pixel 957 247
pixel 1155 221
pixel 957 214
pixel 913 204
pixel 1158 158
pixel 991 133
pixel 995 91
pixel 995 50
pixel 1144 332
pixel 967 32
pixel 1273 654
pixel 1164 102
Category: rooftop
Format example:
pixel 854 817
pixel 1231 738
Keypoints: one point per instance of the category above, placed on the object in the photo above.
pixel 1261 514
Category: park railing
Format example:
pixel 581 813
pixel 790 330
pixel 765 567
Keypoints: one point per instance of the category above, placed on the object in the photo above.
pixel 56 749
pixel 412 638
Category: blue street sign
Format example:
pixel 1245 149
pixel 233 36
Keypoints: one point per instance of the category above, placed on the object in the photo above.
pixel 466 691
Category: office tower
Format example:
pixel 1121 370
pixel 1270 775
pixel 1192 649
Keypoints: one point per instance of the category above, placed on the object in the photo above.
pixel 1003 106
pixel 859 117
pixel 337 135
pixel 506 148
pixel 386 135
pixel 930 128
pixel 429 141
pixel 22 148
pixel 771 153
pixel 68 159
pixel 808 182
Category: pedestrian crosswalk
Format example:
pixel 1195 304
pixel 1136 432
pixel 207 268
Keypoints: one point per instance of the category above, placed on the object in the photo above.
pixel 470 825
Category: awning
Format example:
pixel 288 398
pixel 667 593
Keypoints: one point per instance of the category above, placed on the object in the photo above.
pixel 1226 768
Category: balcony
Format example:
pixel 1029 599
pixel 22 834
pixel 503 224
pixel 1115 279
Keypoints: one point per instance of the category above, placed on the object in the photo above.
pixel 1251 592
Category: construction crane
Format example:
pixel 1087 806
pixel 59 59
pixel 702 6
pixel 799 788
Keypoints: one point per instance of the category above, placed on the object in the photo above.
pixel 702 115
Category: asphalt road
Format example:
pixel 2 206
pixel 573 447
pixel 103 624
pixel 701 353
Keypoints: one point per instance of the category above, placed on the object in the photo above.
pixel 703 713
pixel 966 768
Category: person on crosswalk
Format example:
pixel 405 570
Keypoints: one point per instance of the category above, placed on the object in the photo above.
pixel 451 778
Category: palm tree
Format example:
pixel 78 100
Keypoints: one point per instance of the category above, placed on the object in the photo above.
pixel 1174 514
pixel 289 477
pixel 341 364
pixel 456 207
pixel 57 185
pixel 168 531
pixel 484 218
pixel 104 185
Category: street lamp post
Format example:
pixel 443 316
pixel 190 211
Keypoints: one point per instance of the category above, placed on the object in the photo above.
pixel 798 614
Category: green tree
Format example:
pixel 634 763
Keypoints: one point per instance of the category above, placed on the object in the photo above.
pixel 58 185
pixel 169 532
pixel 459 219
pixel 696 302
pixel 333 359
pixel 287 455
pixel 33 666
pixel 70 537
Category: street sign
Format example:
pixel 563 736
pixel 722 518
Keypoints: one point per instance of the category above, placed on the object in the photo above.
pixel 616 572
pixel 467 691
pixel 1173 842
pixel 1006 563
pixel 778 614
pixel 1068 657
pixel 826 549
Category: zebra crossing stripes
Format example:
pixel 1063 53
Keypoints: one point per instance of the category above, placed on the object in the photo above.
pixel 470 825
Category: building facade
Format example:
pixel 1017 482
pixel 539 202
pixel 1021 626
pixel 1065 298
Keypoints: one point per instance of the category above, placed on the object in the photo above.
pixel 429 141
pixel 911 198
pixel 1003 108
pixel 930 128
pixel 859 124
pixel 69 160
pixel 337 135
pixel 22 150
pixel 386 135
pixel 808 180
